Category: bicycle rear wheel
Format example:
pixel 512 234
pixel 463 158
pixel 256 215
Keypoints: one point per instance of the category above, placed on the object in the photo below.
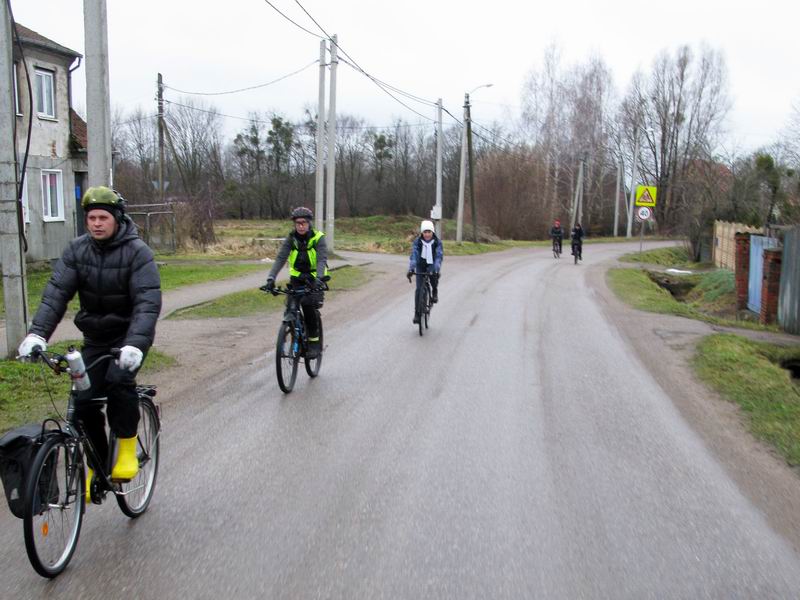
pixel 135 495
pixel 286 358
pixel 312 365
pixel 54 497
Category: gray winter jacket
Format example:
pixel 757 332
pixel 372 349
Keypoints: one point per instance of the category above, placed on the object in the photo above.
pixel 118 285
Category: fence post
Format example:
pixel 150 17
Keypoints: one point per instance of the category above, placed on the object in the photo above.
pixel 742 271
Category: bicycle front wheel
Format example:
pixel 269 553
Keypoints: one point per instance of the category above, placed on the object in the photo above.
pixel 135 495
pixel 423 307
pixel 286 357
pixel 313 364
pixel 54 497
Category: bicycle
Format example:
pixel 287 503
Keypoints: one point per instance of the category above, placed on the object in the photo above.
pixel 556 248
pixel 292 343
pixel 424 301
pixel 577 251
pixel 55 493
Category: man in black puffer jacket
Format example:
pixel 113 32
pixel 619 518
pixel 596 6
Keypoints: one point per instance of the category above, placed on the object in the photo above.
pixel 117 281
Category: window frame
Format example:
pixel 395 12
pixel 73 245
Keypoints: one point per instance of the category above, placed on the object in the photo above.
pixel 41 72
pixel 47 200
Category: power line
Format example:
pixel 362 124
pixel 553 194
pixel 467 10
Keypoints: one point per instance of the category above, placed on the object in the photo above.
pixel 215 112
pixel 245 89
pixel 135 120
pixel 295 23
pixel 490 132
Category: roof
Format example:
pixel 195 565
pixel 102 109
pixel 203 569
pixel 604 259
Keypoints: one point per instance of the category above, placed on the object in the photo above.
pixel 78 127
pixel 30 38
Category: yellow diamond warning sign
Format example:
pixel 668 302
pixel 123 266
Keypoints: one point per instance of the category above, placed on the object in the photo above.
pixel 645 195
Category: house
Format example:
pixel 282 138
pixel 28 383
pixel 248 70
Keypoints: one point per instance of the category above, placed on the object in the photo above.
pixel 57 166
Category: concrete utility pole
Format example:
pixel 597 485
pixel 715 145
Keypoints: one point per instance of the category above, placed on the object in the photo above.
pixel 633 182
pixel 331 191
pixel 462 177
pixel 468 123
pixel 319 193
pixel 439 142
pixel 577 201
pixel 616 197
pixel 11 254
pixel 98 102
pixel 160 94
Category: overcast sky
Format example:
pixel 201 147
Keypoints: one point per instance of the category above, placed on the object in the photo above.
pixel 432 48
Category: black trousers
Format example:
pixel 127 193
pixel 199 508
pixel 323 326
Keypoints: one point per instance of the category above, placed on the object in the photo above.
pixel 434 284
pixel 310 305
pixel 119 386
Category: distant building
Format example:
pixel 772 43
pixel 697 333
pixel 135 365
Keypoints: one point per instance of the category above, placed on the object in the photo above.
pixel 57 167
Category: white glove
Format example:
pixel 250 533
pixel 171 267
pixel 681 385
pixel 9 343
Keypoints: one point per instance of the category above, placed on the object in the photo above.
pixel 130 358
pixel 29 343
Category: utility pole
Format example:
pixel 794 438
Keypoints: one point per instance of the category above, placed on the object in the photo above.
pixel 98 103
pixel 439 142
pixel 160 93
pixel 616 197
pixel 11 254
pixel 633 182
pixel 468 122
pixel 319 195
pixel 331 191
pixel 577 201
pixel 462 177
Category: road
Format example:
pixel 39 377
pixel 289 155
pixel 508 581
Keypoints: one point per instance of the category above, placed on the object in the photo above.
pixel 519 449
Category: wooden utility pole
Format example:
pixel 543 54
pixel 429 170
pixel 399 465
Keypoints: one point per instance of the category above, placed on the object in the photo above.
pixel 468 123
pixel 160 95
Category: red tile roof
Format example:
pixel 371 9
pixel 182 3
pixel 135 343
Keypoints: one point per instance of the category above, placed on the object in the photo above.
pixel 78 127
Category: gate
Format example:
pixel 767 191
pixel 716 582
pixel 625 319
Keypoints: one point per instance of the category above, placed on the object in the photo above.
pixel 758 243
pixel 789 298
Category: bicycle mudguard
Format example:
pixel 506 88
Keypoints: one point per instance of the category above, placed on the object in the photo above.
pixel 17 450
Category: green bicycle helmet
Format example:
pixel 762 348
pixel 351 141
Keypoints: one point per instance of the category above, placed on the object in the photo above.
pixel 105 198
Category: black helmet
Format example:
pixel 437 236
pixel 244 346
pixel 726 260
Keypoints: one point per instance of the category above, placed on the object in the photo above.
pixel 301 212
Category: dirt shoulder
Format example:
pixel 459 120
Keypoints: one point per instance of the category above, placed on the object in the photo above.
pixel 666 345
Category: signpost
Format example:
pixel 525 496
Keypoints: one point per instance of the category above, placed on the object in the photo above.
pixel 645 198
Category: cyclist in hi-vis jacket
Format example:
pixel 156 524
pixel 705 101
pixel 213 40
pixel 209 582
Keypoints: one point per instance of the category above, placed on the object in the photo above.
pixel 116 278
pixel 426 257
pixel 307 254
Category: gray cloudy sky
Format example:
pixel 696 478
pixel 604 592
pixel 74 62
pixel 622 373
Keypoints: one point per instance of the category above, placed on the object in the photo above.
pixel 430 48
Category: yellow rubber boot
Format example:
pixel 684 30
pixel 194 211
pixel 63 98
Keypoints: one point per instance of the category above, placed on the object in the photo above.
pixel 89 477
pixel 127 465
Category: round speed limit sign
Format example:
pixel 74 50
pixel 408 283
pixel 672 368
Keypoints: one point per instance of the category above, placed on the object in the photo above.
pixel 643 213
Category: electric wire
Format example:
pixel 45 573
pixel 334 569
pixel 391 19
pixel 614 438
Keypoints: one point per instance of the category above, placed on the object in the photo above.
pixel 293 22
pixel 244 89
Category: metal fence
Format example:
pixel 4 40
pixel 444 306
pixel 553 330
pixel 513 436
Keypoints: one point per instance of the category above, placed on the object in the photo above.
pixel 789 298
pixel 156 224
pixel 724 245
pixel 758 243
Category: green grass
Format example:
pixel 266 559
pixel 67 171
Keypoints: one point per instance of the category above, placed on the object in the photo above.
pixel 712 300
pixel 253 302
pixel 23 387
pixel 748 373
pixel 172 276
pixel 673 256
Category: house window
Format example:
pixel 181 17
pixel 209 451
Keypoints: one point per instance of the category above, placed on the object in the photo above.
pixel 16 90
pixel 52 196
pixel 45 94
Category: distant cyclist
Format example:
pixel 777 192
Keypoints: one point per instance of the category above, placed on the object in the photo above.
pixel 557 234
pixel 426 257
pixel 307 254
pixel 577 241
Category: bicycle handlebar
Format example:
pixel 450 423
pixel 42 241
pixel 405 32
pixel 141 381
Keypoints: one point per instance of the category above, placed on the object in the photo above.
pixel 58 362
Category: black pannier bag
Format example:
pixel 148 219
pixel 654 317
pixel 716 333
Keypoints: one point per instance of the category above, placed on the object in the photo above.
pixel 17 451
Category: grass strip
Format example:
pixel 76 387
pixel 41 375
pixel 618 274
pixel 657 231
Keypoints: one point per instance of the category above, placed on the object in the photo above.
pixel 256 302
pixel 749 373
pixel 24 387
pixel 672 256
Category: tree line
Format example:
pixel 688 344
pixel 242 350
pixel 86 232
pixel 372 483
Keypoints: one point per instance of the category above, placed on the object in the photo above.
pixel 526 169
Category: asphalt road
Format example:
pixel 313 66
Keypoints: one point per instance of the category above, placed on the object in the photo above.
pixel 519 449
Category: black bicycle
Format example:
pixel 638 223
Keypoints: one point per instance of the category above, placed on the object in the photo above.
pixel 577 251
pixel 292 344
pixel 424 300
pixel 55 492
pixel 556 247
